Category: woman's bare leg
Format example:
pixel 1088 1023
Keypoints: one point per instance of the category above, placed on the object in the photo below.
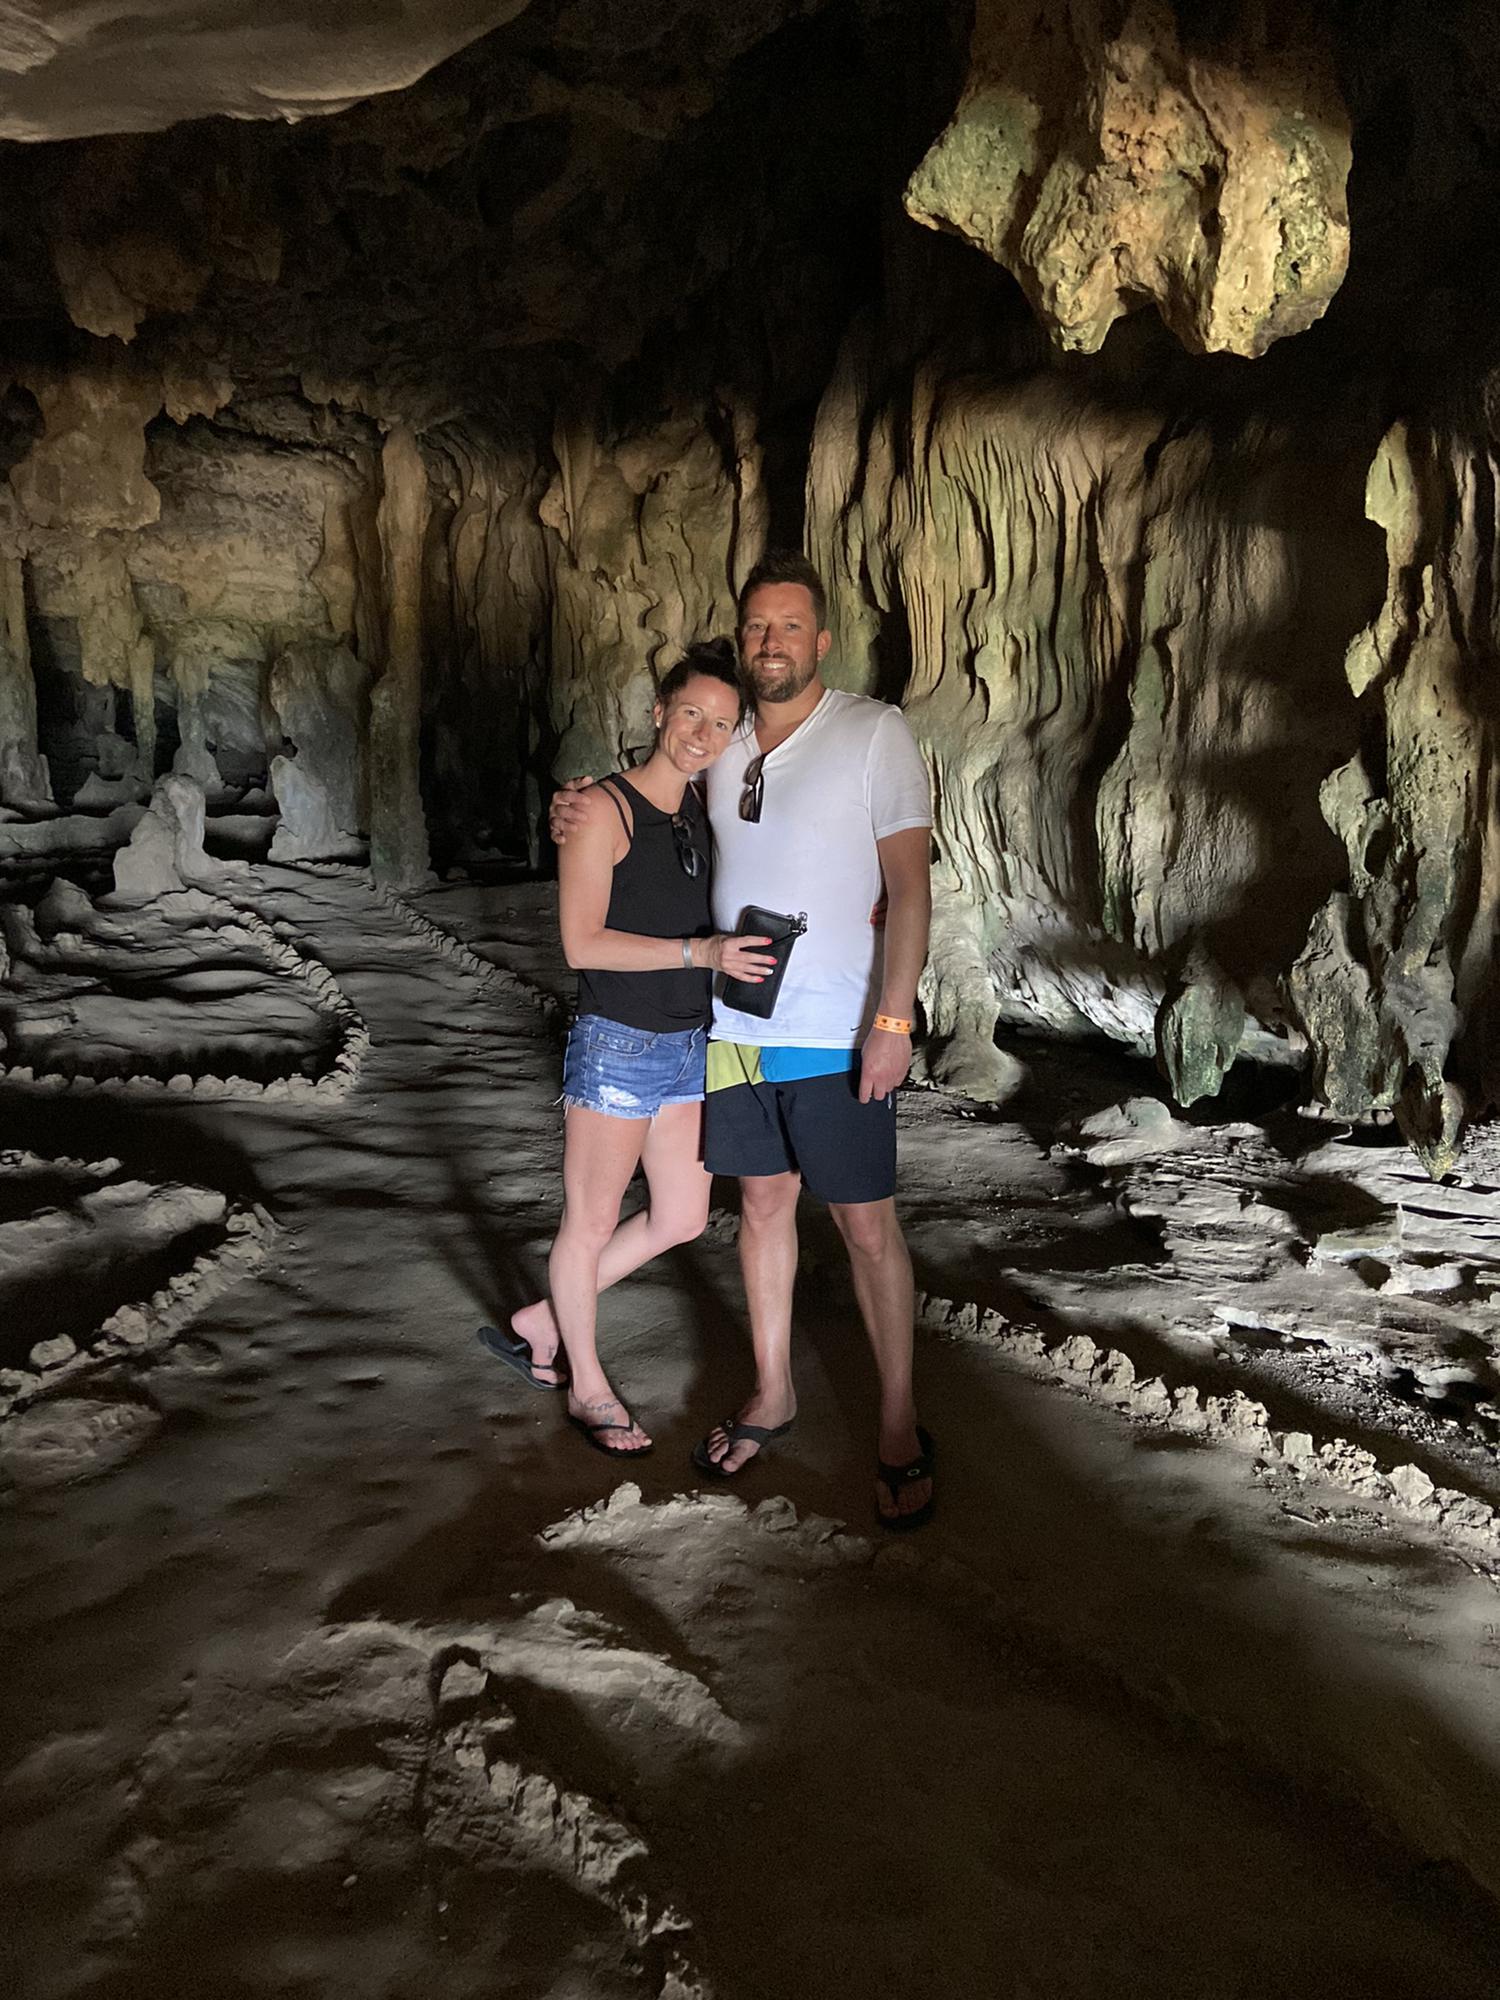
pixel 679 1187
pixel 599 1156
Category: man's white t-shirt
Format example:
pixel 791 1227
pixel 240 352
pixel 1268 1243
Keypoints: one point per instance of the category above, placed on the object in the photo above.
pixel 845 778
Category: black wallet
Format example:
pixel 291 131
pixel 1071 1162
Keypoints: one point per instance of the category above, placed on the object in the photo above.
pixel 783 932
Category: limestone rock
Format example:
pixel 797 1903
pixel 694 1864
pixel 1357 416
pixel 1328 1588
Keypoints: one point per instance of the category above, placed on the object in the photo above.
pixel 490 717
pixel 87 470
pixel 165 852
pixel 652 528
pixel 398 825
pixel 25 781
pixel 64 907
pixel 309 829
pixel 1125 795
pixel 320 693
pixel 1396 985
pixel 1107 155
pixel 1199 1029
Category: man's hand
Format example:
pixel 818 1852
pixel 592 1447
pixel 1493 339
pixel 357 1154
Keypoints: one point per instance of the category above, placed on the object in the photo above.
pixel 883 1063
pixel 566 814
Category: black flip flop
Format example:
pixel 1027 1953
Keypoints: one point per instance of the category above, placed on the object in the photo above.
pixel 894 1477
pixel 760 1435
pixel 592 1431
pixel 516 1353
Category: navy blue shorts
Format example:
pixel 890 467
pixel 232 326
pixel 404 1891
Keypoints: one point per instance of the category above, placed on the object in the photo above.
pixel 845 1151
pixel 629 1072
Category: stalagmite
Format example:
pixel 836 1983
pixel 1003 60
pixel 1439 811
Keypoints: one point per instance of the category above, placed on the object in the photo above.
pixel 165 852
pixel 321 697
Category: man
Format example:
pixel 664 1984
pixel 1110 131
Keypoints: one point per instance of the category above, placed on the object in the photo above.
pixel 820 805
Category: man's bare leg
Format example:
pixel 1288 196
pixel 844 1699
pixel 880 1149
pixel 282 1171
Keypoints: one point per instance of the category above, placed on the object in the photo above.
pixel 768 1265
pixel 881 1266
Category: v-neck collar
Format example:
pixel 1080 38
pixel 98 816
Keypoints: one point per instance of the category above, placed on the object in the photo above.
pixel 807 719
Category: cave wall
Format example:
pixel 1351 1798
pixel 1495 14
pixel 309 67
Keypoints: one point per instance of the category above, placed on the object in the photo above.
pixel 1120 628
pixel 1156 478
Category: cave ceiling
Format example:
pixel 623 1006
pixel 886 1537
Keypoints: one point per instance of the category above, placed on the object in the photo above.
pixel 545 198
pixel 511 195
pixel 68 71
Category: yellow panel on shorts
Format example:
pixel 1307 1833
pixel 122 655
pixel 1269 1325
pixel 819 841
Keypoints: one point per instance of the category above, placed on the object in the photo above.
pixel 730 1063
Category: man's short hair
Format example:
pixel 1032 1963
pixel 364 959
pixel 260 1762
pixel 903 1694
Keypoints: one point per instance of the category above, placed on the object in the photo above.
pixel 786 566
pixel 715 657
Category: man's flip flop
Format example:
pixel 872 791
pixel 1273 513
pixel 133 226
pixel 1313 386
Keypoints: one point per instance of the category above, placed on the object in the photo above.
pixel 760 1435
pixel 894 1477
pixel 516 1353
pixel 592 1431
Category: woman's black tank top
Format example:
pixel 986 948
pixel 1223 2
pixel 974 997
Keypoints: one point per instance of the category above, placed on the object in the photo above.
pixel 652 896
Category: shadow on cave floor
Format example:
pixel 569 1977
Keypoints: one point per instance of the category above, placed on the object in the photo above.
pixel 863 1687
pixel 406 1685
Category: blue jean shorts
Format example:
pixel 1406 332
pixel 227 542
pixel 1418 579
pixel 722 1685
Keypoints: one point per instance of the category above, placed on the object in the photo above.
pixel 629 1072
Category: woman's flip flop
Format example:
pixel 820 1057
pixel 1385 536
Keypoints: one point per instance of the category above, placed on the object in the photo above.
pixel 592 1433
pixel 760 1435
pixel 516 1353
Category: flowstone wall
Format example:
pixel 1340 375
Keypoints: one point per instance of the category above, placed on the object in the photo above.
pixel 1122 634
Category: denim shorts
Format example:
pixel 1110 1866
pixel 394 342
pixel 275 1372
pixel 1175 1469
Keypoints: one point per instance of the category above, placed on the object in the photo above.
pixel 629 1072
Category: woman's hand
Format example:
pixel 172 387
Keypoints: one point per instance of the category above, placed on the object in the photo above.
pixel 735 956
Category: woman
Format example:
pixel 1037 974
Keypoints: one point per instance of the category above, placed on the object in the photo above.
pixel 633 900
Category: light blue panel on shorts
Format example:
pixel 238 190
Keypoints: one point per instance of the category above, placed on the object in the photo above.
pixel 787 1065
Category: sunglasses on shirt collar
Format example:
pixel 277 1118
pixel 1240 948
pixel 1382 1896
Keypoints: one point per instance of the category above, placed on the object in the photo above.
pixel 752 796
pixel 688 858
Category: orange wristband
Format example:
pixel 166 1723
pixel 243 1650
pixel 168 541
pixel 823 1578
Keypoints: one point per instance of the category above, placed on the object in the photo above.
pixel 893 1024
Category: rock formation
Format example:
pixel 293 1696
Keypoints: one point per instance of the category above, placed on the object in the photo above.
pixel 321 698
pixel 398 825
pixel 1130 679
pixel 165 852
pixel 1108 155
pixel 25 782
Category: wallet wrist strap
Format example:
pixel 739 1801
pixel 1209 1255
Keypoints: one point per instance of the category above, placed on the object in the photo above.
pixel 893 1024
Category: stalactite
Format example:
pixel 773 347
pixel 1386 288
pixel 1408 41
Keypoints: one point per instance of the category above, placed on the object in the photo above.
pixel 1107 155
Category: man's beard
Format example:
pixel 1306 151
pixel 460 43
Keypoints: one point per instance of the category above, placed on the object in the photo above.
pixel 787 687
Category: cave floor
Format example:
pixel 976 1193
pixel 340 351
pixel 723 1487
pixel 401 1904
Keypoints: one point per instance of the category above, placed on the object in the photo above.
pixel 335 1664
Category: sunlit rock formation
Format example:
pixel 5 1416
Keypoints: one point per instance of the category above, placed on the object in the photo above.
pixel 1397 982
pixel 1108 155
